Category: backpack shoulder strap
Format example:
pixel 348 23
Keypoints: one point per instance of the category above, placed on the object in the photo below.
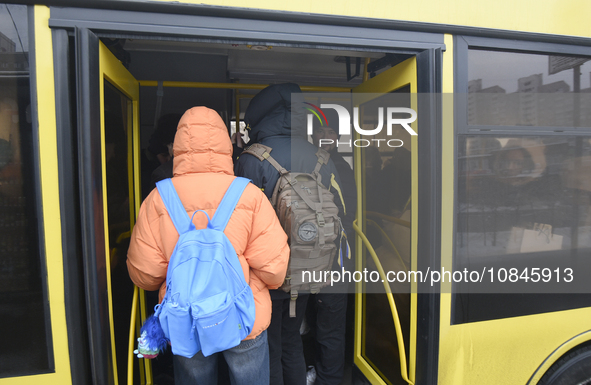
pixel 262 152
pixel 173 205
pixel 228 204
pixel 258 150
pixel 323 157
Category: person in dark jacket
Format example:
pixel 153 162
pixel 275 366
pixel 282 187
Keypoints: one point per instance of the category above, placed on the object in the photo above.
pixel 269 119
pixel 157 159
pixel 328 313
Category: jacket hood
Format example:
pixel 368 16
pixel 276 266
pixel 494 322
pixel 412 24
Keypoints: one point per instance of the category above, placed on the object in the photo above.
pixel 269 113
pixel 202 144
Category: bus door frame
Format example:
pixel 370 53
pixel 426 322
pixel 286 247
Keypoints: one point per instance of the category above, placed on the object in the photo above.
pixel 270 26
pixel 95 64
pixel 397 77
pixel 426 212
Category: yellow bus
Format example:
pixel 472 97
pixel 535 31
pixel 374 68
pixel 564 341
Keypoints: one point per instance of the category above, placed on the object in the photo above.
pixel 499 171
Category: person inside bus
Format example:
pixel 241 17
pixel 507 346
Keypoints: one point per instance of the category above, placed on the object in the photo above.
pixel 202 174
pixel 518 196
pixel 327 312
pixel 238 145
pixel 269 118
pixel 157 158
pixel 512 168
pixel 168 123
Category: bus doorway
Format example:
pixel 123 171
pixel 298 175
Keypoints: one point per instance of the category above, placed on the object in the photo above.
pixel 153 78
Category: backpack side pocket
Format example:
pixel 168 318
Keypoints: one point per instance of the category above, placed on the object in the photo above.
pixel 246 309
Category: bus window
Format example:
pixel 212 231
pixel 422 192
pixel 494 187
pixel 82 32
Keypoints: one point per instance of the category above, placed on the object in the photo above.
pixel 23 296
pixel 524 89
pixel 522 197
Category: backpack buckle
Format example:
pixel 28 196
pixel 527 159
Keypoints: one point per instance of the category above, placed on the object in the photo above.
pixel 320 219
pixel 292 303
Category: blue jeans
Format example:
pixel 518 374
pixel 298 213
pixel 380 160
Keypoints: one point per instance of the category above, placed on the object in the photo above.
pixel 248 364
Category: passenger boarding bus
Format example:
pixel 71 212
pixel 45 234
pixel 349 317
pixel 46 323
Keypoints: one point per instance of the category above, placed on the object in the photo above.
pixel 496 185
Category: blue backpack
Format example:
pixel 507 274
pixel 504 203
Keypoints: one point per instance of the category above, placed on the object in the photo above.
pixel 208 305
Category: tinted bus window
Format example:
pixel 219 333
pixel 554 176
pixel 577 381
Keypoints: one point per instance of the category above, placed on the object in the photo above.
pixel 23 310
pixel 522 199
pixel 525 89
pixel 514 189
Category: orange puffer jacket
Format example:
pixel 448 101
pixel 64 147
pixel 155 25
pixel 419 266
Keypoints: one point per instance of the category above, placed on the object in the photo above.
pixel 202 174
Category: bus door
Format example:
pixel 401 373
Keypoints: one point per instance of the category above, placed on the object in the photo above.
pixel 386 175
pixel 109 138
pixel 120 137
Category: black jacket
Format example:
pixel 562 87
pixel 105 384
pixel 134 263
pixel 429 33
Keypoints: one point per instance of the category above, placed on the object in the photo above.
pixel 273 123
pixel 269 119
pixel 349 192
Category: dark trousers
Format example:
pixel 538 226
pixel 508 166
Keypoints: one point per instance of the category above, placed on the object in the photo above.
pixel 331 314
pixel 286 354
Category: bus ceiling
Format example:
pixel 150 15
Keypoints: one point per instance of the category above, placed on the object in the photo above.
pixel 249 62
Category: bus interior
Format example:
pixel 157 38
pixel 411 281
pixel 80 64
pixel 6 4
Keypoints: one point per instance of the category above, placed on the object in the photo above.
pixel 204 70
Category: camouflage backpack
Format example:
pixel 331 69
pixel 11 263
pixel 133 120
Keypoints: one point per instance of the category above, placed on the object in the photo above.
pixel 309 216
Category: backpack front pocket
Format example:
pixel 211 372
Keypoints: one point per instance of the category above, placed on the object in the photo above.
pixel 220 330
pixel 178 326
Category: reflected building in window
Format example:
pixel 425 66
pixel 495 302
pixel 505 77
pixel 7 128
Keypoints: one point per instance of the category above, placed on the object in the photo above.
pixel 534 104
pixel 6 45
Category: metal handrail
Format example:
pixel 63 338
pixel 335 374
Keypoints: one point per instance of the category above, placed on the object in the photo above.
pixel 234 86
pixel 398 327
pixel 131 346
pixel 138 307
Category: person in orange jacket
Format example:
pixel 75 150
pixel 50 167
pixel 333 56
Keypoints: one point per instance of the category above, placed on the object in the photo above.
pixel 203 172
